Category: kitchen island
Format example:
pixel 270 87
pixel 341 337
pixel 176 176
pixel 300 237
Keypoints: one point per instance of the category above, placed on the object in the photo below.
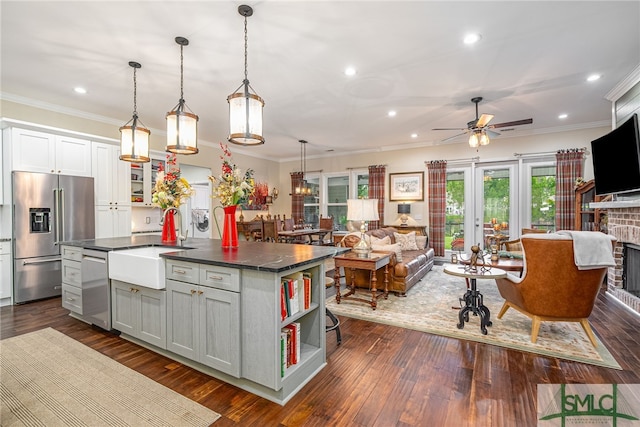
pixel 221 311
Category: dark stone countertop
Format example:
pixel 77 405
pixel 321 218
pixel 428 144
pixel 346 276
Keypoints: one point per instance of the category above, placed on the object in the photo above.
pixel 272 257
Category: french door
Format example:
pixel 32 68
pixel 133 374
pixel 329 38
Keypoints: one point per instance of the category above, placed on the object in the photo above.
pixel 495 207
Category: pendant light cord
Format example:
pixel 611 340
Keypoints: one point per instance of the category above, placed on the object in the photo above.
pixel 181 73
pixel 135 92
pixel 246 42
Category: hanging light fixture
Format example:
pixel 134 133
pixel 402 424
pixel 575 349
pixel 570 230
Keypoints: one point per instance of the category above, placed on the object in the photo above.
pixel 134 139
pixel 484 138
pixel 303 189
pixel 182 125
pixel 245 108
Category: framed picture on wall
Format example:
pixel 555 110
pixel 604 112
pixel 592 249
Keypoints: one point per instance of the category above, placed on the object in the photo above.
pixel 408 186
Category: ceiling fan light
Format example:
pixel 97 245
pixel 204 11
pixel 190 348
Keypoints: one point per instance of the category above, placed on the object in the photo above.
pixel 484 139
pixel 473 141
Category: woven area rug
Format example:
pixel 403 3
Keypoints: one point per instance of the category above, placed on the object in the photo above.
pixel 49 379
pixel 428 308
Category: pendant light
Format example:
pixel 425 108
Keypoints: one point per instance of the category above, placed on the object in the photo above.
pixel 134 139
pixel 182 125
pixel 245 108
pixel 303 189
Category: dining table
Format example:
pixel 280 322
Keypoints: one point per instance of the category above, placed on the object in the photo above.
pixel 306 233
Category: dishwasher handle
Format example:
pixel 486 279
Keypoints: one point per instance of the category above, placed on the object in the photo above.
pixel 94 259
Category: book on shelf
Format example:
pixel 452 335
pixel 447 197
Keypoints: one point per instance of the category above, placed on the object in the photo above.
pixel 306 276
pixel 283 302
pixel 283 353
pixel 294 350
pixel 295 294
pixel 290 349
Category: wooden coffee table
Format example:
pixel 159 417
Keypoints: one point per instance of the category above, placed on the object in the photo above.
pixel 375 261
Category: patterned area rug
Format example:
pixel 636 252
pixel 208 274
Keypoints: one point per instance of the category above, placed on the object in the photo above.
pixel 49 379
pixel 428 308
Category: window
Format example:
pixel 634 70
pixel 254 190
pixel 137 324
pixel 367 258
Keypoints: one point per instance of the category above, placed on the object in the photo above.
pixel 543 193
pixel 337 195
pixel 454 224
pixel 330 193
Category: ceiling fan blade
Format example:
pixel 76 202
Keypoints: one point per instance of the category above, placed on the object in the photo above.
pixel 449 129
pixel 492 134
pixel 453 137
pixel 514 123
pixel 484 120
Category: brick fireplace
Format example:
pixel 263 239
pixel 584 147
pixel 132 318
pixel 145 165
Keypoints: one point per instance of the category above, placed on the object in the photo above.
pixel 624 225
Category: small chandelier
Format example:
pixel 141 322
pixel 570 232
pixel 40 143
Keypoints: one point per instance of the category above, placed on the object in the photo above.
pixel 245 108
pixel 303 189
pixel 134 139
pixel 182 125
pixel 478 137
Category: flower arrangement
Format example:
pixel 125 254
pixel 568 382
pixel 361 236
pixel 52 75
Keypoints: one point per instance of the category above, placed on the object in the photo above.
pixel 232 187
pixel 171 190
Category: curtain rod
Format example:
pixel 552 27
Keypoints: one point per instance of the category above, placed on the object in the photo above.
pixel 542 153
pixel 467 160
pixel 363 167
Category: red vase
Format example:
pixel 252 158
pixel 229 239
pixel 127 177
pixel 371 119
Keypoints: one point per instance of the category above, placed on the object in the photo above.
pixel 229 228
pixel 169 228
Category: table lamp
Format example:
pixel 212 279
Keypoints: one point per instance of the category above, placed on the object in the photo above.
pixel 404 209
pixel 362 210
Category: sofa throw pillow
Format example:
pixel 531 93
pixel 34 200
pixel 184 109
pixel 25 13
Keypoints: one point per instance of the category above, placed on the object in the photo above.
pixel 386 240
pixel 407 241
pixel 421 241
pixel 389 248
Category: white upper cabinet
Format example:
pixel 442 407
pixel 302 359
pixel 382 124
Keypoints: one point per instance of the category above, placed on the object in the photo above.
pixel 112 176
pixel 34 151
pixel 112 181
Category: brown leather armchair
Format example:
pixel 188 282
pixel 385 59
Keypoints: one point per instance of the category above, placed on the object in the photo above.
pixel 552 288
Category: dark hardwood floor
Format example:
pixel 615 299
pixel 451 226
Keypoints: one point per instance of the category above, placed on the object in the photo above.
pixel 379 375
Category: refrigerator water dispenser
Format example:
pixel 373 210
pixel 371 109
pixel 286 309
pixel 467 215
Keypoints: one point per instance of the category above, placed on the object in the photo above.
pixel 40 220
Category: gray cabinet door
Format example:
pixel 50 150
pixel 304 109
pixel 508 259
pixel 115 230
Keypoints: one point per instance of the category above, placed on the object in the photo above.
pixel 123 311
pixel 220 330
pixel 182 319
pixel 152 320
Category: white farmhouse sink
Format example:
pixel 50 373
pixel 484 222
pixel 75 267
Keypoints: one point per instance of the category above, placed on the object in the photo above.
pixel 140 266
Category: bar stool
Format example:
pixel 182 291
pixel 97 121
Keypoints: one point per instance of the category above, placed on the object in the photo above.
pixel 335 326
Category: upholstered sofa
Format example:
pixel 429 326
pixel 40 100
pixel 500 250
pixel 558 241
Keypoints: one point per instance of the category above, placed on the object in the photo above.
pixel 403 273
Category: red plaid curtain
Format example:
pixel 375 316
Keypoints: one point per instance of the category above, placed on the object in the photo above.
pixel 569 166
pixel 437 175
pixel 376 191
pixel 297 201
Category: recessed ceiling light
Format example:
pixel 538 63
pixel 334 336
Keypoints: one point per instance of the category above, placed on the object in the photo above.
pixel 414 135
pixel 391 113
pixel 563 116
pixel 593 77
pixel 80 90
pixel 349 71
pixel 472 38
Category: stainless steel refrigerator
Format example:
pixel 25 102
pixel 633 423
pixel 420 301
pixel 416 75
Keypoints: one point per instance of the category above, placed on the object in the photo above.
pixel 47 209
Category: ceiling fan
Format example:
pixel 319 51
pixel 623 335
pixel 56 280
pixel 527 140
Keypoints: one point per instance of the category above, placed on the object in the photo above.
pixel 480 129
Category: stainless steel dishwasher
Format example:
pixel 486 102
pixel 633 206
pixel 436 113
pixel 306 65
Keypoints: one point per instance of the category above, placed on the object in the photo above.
pixel 96 295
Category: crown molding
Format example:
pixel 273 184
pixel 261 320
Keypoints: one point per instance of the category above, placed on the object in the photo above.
pixel 623 87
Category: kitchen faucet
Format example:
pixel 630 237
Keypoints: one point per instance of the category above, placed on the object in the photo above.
pixel 181 237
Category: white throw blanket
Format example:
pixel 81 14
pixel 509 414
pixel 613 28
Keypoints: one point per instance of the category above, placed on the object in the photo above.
pixel 591 249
